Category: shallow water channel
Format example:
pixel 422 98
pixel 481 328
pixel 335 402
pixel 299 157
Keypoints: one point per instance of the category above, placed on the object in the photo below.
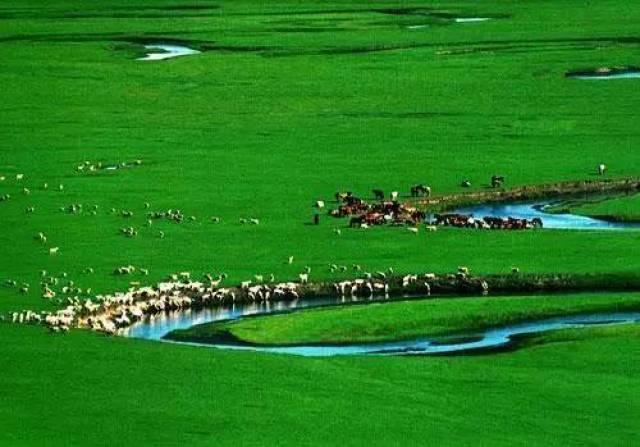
pixel 609 76
pixel 490 339
pixel 530 210
pixel 167 51
pixel 157 327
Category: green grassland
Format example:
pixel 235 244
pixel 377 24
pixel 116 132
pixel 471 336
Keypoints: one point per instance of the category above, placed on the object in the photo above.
pixel 86 389
pixel 288 103
pixel 265 133
pixel 620 209
pixel 407 319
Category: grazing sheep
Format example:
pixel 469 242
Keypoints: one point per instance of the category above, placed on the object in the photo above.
pixel 45 186
pixel 61 187
pixel 515 270
pixel 215 219
pixel 258 278
pixel 466 184
pixel 54 250
pixel 394 196
pixel 356 267
pixel 26 191
pixel 304 278
pixel 19 176
pixel 463 270
pixel 30 209
pixel 337 231
pixel 320 204
pixel 413 230
pixel 161 234
pixel 431 228
pixel 243 221
pixel 254 222
pixel 290 260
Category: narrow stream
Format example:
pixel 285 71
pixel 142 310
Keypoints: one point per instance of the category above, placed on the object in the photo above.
pixel 531 210
pixel 158 327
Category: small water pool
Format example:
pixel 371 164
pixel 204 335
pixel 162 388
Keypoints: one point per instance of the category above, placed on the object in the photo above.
pixel 167 51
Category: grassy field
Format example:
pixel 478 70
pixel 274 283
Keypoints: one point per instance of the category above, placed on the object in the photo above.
pixel 85 389
pixel 288 103
pixel 620 209
pixel 264 133
pixel 408 319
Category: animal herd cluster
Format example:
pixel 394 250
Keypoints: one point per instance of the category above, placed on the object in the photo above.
pixel 366 214
pixel 486 223
pixel 111 313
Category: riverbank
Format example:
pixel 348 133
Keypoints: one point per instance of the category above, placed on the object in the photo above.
pixel 532 192
pixel 397 321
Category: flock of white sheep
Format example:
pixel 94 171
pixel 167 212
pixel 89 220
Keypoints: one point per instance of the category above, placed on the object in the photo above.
pixel 111 313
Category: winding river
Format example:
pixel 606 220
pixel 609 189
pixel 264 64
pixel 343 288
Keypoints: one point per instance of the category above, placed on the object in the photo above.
pixel 494 338
pixel 157 327
pixel 168 51
pixel 536 209
pixel 609 76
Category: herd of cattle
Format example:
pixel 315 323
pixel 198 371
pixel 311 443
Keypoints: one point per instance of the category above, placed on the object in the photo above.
pixel 486 223
pixel 393 212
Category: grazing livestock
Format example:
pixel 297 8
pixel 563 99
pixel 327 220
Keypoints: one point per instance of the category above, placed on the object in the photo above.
pixel 290 260
pixel 497 181
pixel 413 230
pixel 215 219
pixel 466 184
pixel 420 190
pixel 601 169
pixel 54 250
pixel 394 196
pixel 19 176
pixel 304 278
pixel 320 204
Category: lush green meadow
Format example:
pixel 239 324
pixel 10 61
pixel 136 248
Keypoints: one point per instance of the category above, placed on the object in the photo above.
pixel 288 103
pixel 86 389
pixel 622 209
pixel 408 319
